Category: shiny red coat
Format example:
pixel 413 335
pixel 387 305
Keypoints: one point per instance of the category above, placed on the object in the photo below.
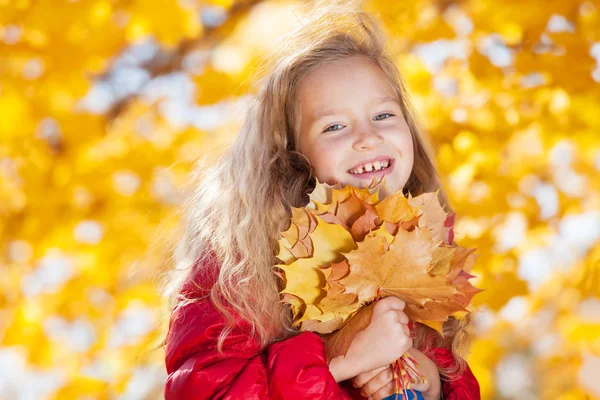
pixel 295 368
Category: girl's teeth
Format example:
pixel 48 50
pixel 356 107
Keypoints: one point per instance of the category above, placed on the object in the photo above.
pixel 376 166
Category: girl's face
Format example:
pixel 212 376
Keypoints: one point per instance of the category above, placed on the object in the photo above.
pixel 352 128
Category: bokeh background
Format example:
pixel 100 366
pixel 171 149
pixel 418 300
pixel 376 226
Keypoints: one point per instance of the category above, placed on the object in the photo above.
pixel 105 105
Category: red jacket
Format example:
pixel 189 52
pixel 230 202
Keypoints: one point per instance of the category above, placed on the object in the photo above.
pixel 294 368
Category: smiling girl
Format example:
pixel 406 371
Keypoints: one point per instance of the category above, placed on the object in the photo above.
pixel 332 105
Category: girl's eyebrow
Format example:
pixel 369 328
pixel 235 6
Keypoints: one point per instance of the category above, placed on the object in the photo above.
pixel 375 101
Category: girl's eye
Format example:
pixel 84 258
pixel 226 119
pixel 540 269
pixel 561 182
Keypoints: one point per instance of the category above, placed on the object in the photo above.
pixel 376 118
pixel 328 129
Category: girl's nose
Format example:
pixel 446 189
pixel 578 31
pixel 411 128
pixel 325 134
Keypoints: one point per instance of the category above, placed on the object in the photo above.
pixel 367 139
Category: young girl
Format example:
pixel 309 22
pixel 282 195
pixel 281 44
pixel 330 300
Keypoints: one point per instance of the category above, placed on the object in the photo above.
pixel 332 106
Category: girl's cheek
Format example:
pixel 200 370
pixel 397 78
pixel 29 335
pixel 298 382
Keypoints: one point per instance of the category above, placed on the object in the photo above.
pixel 326 166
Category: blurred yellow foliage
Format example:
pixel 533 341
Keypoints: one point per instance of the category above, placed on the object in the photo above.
pixel 105 105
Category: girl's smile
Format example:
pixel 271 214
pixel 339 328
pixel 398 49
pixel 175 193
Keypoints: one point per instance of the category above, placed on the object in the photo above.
pixel 378 166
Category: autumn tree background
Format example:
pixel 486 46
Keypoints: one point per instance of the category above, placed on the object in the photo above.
pixel 106 104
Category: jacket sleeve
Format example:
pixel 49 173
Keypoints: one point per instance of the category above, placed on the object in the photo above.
pixel 291 369
pixel 463 387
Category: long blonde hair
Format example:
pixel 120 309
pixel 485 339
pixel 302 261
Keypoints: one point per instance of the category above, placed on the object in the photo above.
pixel 241 203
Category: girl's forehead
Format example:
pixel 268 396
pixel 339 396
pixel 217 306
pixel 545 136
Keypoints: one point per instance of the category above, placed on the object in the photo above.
pixel 352 80
pixel 340 71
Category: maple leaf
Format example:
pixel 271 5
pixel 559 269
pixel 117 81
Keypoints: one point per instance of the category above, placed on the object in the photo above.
pixel 335 310
pixel 296 241
pixel 351 208
pixel 296 303
pixel 367 222
pixel 433 216
pixel 343 254
pixel 396 208
pixel 303 276
pixel 403 270
pixel 337 343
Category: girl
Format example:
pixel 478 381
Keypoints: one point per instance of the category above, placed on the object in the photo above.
pixel 332 106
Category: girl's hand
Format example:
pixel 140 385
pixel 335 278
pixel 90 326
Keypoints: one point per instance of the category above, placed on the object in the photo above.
pixel 376 384
pixel 431 390
pixel 380 383
pixel 384 340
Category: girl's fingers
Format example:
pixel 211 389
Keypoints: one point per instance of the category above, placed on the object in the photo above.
pixel 406 330
pixel 385 391
pixel 402 317
pixel 360 380
pixel 389 303
pixel 380 381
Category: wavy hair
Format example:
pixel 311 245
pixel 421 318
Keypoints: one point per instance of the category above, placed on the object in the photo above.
pixel 242 201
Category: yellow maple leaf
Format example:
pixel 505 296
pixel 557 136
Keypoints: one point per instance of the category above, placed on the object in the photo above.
pixel 303 276
pixel 393 247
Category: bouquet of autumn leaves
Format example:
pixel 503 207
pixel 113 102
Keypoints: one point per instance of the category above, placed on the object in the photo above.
pixel 348 248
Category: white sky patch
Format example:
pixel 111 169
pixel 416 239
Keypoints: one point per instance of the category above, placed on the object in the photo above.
pixel 458 20
pixel 213 16
pixel 78 336
pixel 595 52
pixel 50 274
pixel 11 34
pixel 163 186
pixel 548 345
pixel 89 232
pixel 446 86
pixel 126 182
pixel 576 234
pixel 49 131
pixel 494 47
pixel 483 320
pixel 34 68
pixel 515 310
pixel 126 77
pixel 20 381
pixel 459 115
pixel 510 232
pixel 101 370
pixel 588 374
pixel 134 323
pixel 547 198
pixel 558 23
pixel 127 81
pixel 144 379
pixel 589 310
pixel 567 180
pixel 20 251
pixel 514 378
pixel 99 98
pixel 434 54
pixel 562 153
pixel 532 80
pixel 195 61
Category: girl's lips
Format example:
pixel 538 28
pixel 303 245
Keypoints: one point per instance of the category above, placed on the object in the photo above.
pixel 369 175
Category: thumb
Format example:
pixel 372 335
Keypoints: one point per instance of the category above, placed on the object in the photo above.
pixel 388 303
